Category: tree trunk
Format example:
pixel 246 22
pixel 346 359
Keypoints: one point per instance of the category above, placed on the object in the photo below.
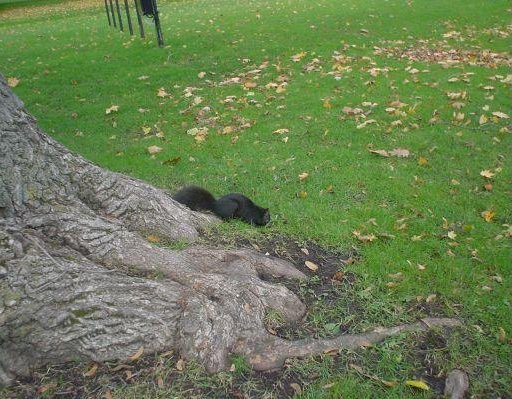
pixel 78 277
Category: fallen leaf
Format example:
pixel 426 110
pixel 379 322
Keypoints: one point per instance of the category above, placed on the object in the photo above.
pixel 502 335
pixel 201 75
pixel 281 131
pixel 366 123
pixel 500 115
pixel 483 119
pixel 382 153
pixel 296 388
pixel 171 161
pixel 160 382
pixel 310 265
pixel 92 371
pixel 486 173
pixel 422 161
pixel 488 215
pixel 488 187
pixel 152 238
pixel 452 235
pixel 108 394
pixel 154 149
pixel 297 57
pixel 113 108
pixel 400 153
pixel 137 354
pixel 162 93
pixel 13 82
pixel 180 364
pixel 302 194
pixel 364 238
pixel 303 176
pixel 420 384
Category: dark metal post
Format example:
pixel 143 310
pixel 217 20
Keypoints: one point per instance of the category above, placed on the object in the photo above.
pixel 157 25
pixel 119 16
pixel 108 14
pixel 113 16
pixel 139 18
pixel 128 16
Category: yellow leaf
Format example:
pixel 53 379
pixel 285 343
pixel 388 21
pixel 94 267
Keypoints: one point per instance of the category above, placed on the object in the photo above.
pixel 488 215
pixel 281 131
pixel 153 238
pixel 310 265
pixel 486 173
pixel 302 194
pixel 13 82
pixel 422 161
pixel 327 104
pixel 137 354
pixel 303 176
pixel 299 56
pixel 417 384
pixel 502 335
pixel 113 108
pixel 483 119
pixel 92 371
pixel 162 93
pixel 180 364
pixel 146 130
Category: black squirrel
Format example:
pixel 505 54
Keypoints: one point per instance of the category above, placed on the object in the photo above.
pixel 228 207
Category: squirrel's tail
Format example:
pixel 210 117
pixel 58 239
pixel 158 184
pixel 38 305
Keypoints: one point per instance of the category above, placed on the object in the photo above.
pixel 196 198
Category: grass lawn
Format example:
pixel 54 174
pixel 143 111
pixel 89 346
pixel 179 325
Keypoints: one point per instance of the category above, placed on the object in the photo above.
pixel 299 105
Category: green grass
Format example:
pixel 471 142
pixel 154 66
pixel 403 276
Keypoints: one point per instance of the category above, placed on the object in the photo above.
pixel 72 67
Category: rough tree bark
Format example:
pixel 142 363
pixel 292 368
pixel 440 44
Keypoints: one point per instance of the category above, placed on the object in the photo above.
pixel 75 269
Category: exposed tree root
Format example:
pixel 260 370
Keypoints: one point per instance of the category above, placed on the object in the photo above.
pixel 79 280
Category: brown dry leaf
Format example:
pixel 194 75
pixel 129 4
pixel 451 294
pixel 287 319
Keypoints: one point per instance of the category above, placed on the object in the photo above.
pixel 311 265
pixel 452 235
pixel 502 335
pixel 92 371
pixel 488 187
pixel 227 130
pixel 420 384
pixel 297 57
pixel 303 176
pixel 162 93
pixel 160 382
pixel 137 354
pixel 13 82
pixel 108 394
pixel 364 238
pixel 296 388
pixel 201 75
pixel 486 173
pixel 352 111
pixel 483 119
pixel 154 149
pixel 501 115
pixel 488 215
pixel 400 153
pixel 329 189
pixel 129 375
pixel 113 108
pixel 281 131
pixel 171 161
pixel 382 153
pixel 338 276
pixel 46 388
pixel 366 123
pixel 250 84
pixel 422 161
pixel 327 104
pixel 180 364
pixel 152 238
